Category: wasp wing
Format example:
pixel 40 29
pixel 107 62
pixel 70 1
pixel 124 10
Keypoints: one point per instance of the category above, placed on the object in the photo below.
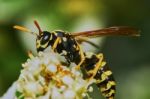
pixel 114 31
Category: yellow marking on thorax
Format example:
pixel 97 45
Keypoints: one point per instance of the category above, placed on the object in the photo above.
pixel 51 37
pixel 64 39
pixel 56 43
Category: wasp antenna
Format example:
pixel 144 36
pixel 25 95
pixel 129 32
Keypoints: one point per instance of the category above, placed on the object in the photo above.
pixel 21 28
pixel 38 26
pixel 24 29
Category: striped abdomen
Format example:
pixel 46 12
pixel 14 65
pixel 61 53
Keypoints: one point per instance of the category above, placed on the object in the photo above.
pixel 103 75
pixel 106 82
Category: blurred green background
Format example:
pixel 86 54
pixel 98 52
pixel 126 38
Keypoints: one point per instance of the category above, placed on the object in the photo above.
pixel 129 58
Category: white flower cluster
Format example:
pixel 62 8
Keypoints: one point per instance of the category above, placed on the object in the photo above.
pixel 44 77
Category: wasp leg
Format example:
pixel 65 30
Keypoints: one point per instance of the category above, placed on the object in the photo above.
pixel 65 64
pixel 84 39
pixel 98 66
pixel 56 43
pixel 30 54
pixel 82 57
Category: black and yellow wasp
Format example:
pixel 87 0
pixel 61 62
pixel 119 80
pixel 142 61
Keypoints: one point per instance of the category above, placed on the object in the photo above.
pixel 68 45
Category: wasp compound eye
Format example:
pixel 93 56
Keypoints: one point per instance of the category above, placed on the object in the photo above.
pixel 45 37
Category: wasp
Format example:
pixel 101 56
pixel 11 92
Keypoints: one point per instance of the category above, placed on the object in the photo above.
pixel 68 45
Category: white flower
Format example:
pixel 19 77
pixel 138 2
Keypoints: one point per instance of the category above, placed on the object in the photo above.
pixel 67 80
pixel 52 68
pixel 69 94
pixel 44 77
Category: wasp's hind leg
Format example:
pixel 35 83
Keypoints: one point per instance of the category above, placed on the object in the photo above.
pixel 98 65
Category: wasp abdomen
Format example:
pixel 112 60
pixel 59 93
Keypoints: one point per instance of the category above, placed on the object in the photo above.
pixel 106 82
pixel 103 76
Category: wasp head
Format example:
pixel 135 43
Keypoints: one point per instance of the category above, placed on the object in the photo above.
pixel 42 40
